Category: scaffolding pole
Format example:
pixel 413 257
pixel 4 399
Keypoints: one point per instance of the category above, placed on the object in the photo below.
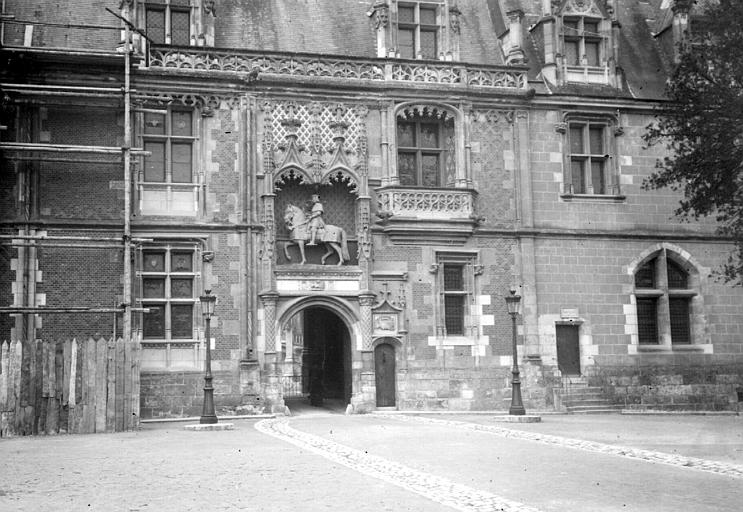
pixel 126 326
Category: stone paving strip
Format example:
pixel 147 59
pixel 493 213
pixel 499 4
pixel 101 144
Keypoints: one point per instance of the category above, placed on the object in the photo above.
pixel 440 490
pixel 719 468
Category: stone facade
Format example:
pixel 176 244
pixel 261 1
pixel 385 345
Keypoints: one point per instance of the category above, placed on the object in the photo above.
pixel 262 117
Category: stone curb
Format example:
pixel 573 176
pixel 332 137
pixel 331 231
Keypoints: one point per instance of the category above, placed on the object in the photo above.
pixel 209 427
pixel 196 418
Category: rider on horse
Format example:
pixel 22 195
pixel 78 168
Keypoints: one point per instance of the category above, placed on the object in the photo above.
pixel 316 221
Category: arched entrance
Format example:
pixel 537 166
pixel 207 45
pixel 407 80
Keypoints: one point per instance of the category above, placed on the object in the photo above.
pixel 317 362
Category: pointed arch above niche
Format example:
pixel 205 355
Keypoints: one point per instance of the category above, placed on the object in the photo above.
pixel 321 142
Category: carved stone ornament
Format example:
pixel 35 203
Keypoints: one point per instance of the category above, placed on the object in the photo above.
pixel 581 7
pixel 209 7
pixel 381 14
pixel 454 21
pixel 125 3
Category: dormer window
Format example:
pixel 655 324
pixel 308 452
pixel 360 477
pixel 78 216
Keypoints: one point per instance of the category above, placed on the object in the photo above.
pixel 582 41
pixel 418 31
pixel 168 22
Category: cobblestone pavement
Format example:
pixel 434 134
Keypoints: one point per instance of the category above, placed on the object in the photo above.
pixel 554 476
pixel 368 463
pixel 722 468
pixel 440 490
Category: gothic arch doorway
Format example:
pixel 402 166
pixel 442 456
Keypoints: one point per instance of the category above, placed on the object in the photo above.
pixel 317 358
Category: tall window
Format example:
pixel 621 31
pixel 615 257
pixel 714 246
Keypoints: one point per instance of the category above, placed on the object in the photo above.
pixel 167 276
pixel 588 157
pixel 423 152
pixel 167 177
pixel 418 30
pixel 663 294
pixel 168 22
pixel 455 282
pixel 582 41
pixel 454 298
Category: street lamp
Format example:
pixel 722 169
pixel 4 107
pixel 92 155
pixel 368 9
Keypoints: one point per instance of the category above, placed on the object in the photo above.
pixel 207 309
pixel 517 407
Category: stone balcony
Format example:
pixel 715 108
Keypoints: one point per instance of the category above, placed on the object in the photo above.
pixel 334 67
pixel 418 215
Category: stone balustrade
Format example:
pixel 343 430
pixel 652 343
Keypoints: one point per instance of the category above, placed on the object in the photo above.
pixel 446 204
pixel 339 67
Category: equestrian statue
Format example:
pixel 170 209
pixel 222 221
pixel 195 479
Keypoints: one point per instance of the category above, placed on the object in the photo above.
pixel 313 230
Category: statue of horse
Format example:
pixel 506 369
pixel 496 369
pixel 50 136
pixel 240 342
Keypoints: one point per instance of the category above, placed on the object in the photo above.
pixel 334 237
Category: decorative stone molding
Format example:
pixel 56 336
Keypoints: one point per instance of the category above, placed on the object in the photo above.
pixel 444 204
pixel 209 8
pixel 454 14
pixel 208 102
pixel 334 68
pixel 493 116
pixel 381 13
pixel 561 128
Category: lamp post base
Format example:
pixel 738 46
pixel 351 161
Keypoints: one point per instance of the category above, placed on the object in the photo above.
pixel 208 415
pixel 517 410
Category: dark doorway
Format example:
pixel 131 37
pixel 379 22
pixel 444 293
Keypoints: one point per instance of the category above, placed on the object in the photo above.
pixel 326 360
pixel 384 367
pixel 568 349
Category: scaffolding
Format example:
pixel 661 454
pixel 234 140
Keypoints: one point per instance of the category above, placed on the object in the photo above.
pixel 27 241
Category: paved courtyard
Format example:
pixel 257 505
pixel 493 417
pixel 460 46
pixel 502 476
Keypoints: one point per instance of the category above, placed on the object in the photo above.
pixel 320 460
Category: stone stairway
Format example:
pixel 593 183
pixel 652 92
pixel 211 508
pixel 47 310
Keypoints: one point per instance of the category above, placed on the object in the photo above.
pixel 577 397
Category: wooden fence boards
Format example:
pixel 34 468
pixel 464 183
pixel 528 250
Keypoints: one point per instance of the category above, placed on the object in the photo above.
pixel 71 386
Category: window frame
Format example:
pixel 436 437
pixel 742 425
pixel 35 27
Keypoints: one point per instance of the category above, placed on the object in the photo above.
pixel 580 36
pixel 663 294
pixel 167 301
pixel 417 27
pixel 467 263
pixel 168 193
pixel 587 157
pixel 420 151
pixel 169 9
pixel 608 159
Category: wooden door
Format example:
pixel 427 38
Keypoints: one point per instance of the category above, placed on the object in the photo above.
pixel 568 349
pixel 384 366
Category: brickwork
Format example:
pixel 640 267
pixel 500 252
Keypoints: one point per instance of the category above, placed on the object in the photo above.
pixel 179 394
pixel 79 277
pixel 92 191
pixel 91 11
pixel 639 212
pixel 492 140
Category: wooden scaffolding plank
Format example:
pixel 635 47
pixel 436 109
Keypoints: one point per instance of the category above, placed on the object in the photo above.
pixel 101 357
pixel 127 385
pixel 111 385
pixel 72 421
pixel 119 384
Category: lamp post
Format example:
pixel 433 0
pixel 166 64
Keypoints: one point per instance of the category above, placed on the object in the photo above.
pixel 207 309
pixel 517 407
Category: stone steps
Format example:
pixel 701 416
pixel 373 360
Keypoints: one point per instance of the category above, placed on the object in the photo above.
pixel 580 398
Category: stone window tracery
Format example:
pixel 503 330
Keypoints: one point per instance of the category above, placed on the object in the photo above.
pixel 665 289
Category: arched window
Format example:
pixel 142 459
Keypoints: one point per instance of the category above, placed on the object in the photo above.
pixel 664 289
pixel 425 147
